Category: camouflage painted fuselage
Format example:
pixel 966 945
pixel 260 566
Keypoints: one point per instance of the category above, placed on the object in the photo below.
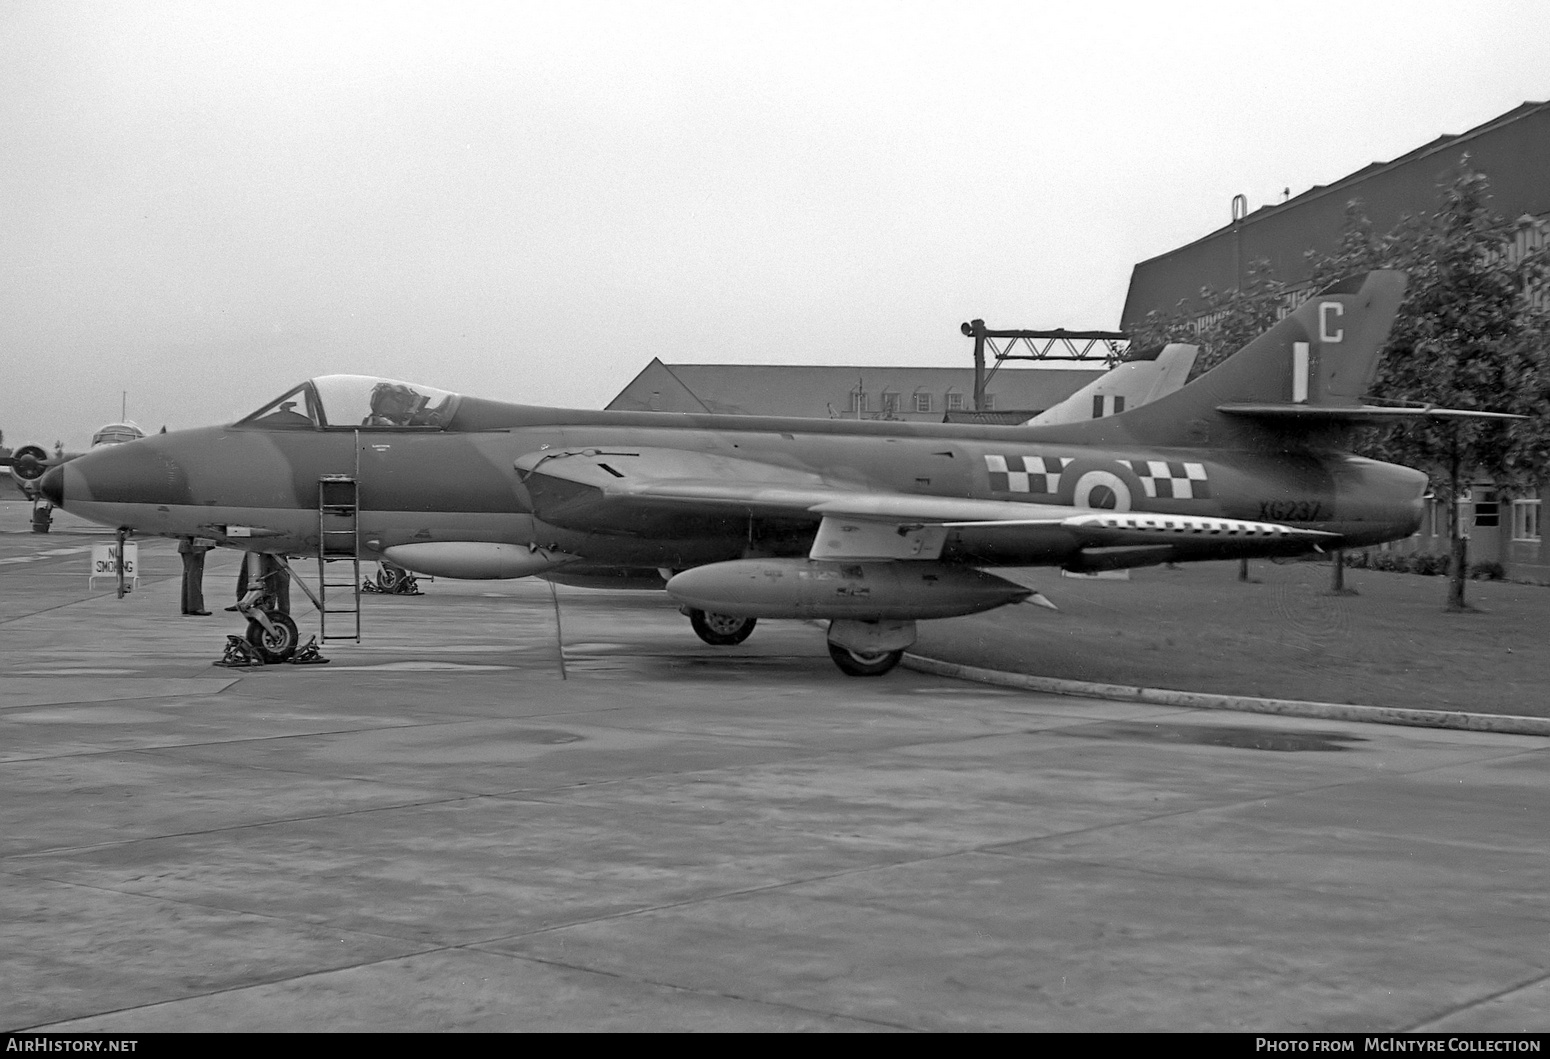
pixel 254 486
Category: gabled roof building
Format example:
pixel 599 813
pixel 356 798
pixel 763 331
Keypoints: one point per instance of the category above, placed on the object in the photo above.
pixel 847 392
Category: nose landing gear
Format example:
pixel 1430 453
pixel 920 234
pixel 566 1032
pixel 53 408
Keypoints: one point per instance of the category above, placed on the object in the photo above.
pixel 273 635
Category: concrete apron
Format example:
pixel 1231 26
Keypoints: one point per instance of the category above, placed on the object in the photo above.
pixel 437 832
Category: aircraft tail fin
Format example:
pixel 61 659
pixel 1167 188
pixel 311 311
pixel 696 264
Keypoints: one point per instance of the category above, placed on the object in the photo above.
pixel 1321 357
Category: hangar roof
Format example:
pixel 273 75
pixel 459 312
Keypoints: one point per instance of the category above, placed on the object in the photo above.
pixel 1512 150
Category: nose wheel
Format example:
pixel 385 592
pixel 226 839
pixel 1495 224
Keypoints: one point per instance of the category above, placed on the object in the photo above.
pixel 277 642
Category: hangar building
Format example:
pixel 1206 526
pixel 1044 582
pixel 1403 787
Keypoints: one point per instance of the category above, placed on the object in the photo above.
pixel 855 392
pixel 1513 151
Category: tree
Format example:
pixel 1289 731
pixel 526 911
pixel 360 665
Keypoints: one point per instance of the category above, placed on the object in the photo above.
pixel 1465 338
pixel 1158 329
pixel 1221 322
pixel 1234 318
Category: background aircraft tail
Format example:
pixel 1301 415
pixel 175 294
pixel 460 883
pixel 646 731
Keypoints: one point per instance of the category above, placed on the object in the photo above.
pixel 1288 388
pixel 1130 385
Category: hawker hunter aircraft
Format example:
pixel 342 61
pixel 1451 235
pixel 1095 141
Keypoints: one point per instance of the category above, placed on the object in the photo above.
pixel 870 525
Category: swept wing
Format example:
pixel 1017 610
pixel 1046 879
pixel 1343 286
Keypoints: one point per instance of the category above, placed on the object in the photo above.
pixel 608 490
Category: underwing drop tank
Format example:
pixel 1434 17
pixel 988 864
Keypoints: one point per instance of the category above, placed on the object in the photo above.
pixel 861 591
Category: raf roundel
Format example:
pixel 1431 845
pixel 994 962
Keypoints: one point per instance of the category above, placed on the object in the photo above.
pixel 1103 490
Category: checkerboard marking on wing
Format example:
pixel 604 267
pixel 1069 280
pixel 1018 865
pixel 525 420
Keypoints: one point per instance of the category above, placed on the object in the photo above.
pixel 1172 481
pixel 1036 475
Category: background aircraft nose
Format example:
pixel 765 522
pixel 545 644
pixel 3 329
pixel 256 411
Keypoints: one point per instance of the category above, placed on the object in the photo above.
pixel 52 485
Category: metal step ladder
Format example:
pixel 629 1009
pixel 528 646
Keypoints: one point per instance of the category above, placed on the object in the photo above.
pixel 339 542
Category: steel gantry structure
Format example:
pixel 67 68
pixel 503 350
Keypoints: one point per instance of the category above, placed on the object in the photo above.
pixel 1058 344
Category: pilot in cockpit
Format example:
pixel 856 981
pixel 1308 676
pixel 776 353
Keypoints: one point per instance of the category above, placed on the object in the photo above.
pixel 394 405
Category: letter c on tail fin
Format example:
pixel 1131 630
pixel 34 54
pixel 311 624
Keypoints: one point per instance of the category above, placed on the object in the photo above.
pixel 1328 310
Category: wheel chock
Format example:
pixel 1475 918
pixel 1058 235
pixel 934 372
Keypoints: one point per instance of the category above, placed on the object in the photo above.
pixel 308 654
pixel 407 587
pixel 239 655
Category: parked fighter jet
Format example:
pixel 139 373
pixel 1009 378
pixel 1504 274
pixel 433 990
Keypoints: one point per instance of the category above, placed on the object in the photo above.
pixel 871 525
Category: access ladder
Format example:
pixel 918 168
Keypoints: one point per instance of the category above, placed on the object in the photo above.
pixel 339 543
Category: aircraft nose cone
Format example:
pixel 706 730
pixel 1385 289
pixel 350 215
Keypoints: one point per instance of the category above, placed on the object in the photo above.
pixel 137 472
pixel 52 485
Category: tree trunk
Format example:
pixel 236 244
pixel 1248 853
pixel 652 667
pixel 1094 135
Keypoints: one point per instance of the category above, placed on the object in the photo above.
pixel 1459 547
pixel 1458 573
pixel 1337 574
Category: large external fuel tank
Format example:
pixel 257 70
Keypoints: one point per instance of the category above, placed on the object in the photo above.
pixel 863 591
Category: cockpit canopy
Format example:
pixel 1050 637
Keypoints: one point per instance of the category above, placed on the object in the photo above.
pixel 349 402
pixel 117 434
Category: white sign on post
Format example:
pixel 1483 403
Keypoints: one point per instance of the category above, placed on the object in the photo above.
pixel 104 562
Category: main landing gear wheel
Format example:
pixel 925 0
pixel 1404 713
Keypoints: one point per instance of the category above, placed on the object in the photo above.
pixel 274 646
pixel 858 664
pixel 721 630
pixel 390 577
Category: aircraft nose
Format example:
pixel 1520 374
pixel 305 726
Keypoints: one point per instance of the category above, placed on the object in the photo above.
pixel 148 471
pixel 52 485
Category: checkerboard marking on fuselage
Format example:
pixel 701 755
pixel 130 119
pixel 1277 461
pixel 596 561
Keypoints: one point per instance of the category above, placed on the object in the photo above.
pixel 1035 475
pixel 1172 481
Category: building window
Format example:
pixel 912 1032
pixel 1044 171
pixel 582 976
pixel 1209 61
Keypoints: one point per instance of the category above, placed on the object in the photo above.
pixel 1487 510
pixel 922 402
pixel 858 400
pixel 890 403
pixel 1119 403
pixel 1525 520
pixel 1209 320
pixel 989 403
pixel 955 402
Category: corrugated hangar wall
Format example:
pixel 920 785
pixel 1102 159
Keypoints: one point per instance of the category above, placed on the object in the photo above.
pixel 1512 150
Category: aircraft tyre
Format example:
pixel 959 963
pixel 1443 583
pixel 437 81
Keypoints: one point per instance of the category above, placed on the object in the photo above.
pixel 390 577
pixel 857 664
pixel 278 645
pixel 721 630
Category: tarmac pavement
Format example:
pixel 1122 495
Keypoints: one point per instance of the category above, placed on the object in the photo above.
pixel 436 831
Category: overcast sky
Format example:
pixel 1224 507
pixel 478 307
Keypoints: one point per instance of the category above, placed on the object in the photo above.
pixel 205 202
